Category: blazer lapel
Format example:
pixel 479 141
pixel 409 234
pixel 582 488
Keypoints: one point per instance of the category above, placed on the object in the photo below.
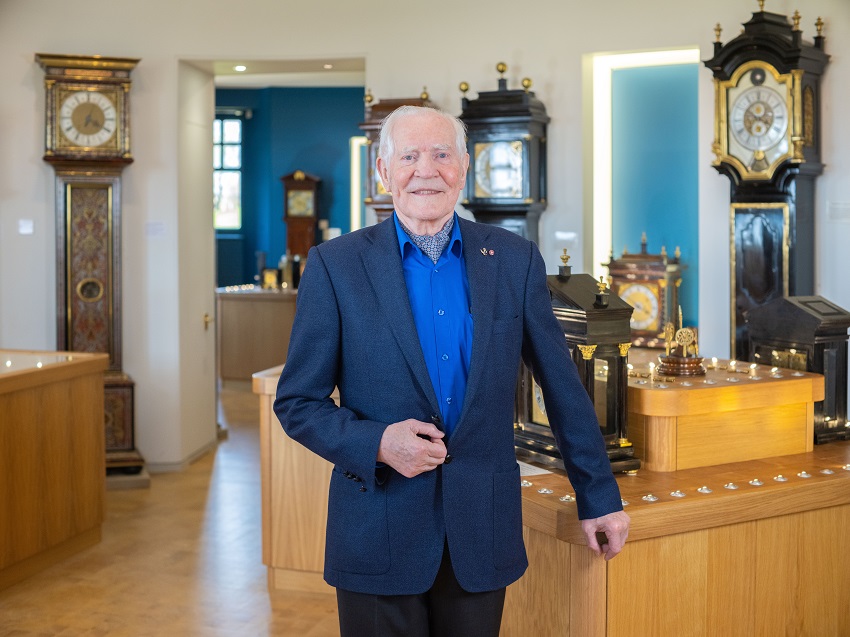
pixel 383 266
pixel 481 269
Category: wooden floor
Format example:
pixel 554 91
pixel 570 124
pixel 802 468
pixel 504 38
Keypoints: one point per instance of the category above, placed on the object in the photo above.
pixel 181 558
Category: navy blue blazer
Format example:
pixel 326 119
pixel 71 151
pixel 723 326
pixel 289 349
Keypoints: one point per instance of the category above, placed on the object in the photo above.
pixel 354 330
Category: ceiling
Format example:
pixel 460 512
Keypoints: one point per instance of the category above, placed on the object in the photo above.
pixel 266 73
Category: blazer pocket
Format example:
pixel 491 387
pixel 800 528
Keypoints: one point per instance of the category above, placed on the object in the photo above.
pixel 358 531
pixel 508 548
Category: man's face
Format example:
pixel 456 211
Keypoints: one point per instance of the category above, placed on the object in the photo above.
pixel 425 173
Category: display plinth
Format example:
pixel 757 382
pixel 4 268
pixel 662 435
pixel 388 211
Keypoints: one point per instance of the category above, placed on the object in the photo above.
pixel 728 415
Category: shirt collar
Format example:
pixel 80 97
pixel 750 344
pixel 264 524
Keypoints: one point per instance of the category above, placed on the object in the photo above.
pixel 455 239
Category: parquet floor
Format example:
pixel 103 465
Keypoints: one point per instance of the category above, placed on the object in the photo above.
pixel 182 558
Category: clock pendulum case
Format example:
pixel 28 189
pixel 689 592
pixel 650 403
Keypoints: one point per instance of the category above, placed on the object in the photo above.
pixel 767 142
pixel 87 141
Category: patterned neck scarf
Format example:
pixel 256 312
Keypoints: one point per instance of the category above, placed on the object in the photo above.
pixel 431 245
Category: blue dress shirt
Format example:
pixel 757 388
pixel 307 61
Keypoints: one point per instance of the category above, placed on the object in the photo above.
pixel 439 299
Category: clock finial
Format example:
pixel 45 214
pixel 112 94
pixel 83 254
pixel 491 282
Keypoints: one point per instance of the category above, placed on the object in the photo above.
pixel 464 87
pixel 819 26
pixel 717 31
pixel 424 94
pixel 368 98
pixel 796 19
pixel 565 270
pixel 761 5
pixel 565 257
pixel 526 83
pixel 501 67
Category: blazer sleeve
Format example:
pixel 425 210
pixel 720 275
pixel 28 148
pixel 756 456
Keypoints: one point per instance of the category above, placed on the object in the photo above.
pixel 569 408
pixel 303 404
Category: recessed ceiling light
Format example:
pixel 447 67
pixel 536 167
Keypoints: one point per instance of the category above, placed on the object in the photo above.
pixel 328 67
pixel 240 68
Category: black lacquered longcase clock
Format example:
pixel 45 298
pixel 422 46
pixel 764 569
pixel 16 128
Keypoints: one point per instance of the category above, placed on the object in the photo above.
pixel 87 141
pixel 767 142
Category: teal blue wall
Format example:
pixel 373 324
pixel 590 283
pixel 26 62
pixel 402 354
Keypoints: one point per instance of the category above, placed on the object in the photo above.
pixel 292 129
pixel 655 152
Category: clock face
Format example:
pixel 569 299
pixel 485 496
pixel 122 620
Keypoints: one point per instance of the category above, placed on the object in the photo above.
pixel 757 119
pixel 87 119
pixel 498 169
pixel 299 203
pixel 644 299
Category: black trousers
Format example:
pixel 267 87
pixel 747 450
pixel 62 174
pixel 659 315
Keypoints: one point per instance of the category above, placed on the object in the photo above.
pixel 446 610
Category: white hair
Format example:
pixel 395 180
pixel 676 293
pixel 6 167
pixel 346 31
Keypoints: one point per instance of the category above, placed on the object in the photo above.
pixel 386 145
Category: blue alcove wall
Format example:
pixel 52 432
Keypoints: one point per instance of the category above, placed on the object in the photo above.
pixel 655 151
pixel 290 129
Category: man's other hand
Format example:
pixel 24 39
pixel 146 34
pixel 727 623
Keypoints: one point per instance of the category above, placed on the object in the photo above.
pixel 612 531
pixel 412 447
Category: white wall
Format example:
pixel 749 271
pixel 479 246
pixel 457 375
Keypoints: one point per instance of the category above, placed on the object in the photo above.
pixel 406 46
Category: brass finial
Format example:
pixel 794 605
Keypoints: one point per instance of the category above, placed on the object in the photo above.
pixel 501 67
pixel 299 175
pixel 796 19
pixel 643 237
pixel 526 83
pixel 677 253
pixel 601 285
pixel 819 25
pixel 424 94
pixel 565 257
pixel 464 87
pixel 761 5
pixel 368 98
pixel 717 31
pixel 663 251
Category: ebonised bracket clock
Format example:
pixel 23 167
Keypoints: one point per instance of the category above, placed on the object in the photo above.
pixel 506 141
pixel 376 196
pixel 87 141
pixel 767 142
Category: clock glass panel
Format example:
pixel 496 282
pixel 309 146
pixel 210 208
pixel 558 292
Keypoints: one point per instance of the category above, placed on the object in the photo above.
pixel 498 169
pixel 87 119
pixel 300 203
pixel 757 114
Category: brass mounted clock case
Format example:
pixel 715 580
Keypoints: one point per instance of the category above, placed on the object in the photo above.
pixel 87 109
pixel 768 143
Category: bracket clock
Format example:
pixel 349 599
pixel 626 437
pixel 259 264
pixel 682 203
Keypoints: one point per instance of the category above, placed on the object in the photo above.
pixel 596 327
pixel 767 142
pixel 87 141
pixel 506 141
pixel 376 196
pixel 650 284
pixel 300 209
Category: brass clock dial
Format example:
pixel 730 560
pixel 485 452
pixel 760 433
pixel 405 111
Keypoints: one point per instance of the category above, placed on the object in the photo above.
pixel 757 118
pixel 87 119
pixel 644 300
pixel 498 169
pixel 300 203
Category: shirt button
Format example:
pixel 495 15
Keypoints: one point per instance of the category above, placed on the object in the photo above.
pixel 440 312
pixel 445 357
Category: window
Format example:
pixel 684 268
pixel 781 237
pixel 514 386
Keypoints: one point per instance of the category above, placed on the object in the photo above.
pixel 227 174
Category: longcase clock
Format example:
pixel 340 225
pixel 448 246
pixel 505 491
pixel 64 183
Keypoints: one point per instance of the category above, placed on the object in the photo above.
pixel 300 207
pixel 767 142
pixel 87 141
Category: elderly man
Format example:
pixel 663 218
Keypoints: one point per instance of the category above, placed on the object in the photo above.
pixel 421 322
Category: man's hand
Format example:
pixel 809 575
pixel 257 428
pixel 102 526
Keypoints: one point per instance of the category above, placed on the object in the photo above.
pixel 614 527
pixel 412 447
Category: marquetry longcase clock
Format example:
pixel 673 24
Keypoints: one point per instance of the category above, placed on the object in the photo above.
pixel 767 141
pixel 87 141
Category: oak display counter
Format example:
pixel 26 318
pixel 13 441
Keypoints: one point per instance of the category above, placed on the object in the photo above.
pixel 759 559
pixel 52 482
pixel 253 327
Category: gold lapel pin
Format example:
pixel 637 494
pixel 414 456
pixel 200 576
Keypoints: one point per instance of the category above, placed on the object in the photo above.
pixel 487 252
